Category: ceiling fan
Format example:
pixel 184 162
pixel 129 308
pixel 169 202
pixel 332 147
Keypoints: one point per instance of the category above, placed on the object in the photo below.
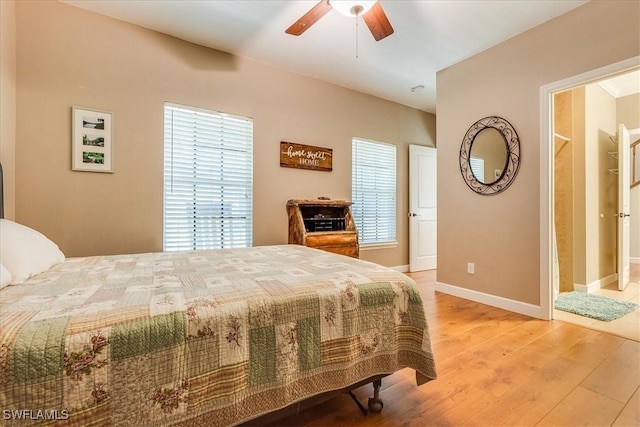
pixel 371 11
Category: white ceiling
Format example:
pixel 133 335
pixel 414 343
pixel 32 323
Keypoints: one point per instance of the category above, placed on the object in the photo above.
pixel 429 36
pixel 622 85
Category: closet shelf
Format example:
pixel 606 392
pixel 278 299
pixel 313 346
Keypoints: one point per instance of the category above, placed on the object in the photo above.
pixel 613 154
pixel 562 137
pixel 615 171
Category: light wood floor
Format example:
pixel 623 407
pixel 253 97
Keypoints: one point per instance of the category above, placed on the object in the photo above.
pixel 497 368
pixel 627 326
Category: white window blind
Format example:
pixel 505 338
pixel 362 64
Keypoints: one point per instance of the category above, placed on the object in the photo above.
pixel 373 191
pixel 208 179
pixel 477 168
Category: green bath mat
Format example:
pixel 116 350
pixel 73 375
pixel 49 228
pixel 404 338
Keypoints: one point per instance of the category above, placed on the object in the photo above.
pixel 594 306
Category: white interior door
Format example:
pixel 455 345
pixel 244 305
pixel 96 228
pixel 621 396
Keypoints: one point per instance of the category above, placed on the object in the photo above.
pixel 624 204
pixel 422 205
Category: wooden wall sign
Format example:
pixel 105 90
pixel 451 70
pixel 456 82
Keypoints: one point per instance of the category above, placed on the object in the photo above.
pixel 305 156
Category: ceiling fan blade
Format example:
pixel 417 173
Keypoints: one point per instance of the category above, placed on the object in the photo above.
pixel 309 18
pixel 378 22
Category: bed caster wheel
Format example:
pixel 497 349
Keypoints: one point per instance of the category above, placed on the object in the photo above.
pixel 375 405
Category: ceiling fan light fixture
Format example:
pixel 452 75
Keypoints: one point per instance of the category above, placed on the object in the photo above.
pixel 352 8
pixel 371 11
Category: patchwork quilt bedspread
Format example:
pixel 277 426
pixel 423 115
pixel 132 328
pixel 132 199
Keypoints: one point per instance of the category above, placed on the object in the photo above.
pixel 201 338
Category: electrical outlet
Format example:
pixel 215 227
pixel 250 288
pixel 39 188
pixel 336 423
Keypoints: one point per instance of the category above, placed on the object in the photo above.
pixel 471 268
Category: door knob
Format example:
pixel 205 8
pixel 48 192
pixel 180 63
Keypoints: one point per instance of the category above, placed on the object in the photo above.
pixel 412 214
pixel 622 215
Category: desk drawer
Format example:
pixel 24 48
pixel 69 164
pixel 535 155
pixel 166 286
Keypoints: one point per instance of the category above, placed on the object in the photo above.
pixel 331 239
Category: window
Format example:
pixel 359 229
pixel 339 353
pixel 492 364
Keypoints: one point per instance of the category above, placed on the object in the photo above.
pixel 373 191
pixel 208 179
pixel 477 167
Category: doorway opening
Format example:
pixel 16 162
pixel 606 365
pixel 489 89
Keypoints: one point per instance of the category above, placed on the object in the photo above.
pixel 579 185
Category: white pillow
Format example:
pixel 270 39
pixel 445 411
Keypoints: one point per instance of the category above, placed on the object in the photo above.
pixel 5 276
pixel 26 252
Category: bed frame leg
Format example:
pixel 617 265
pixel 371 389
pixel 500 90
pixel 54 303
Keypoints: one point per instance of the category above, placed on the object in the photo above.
pixel 375 403
pixel 360 405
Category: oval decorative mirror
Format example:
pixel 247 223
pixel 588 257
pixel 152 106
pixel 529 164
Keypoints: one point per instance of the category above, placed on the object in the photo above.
pixel 490 155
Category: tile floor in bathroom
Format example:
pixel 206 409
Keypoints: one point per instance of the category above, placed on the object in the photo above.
pixel 627 326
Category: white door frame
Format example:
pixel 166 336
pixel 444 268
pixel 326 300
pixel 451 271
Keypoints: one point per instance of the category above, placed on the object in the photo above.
pixel 547 173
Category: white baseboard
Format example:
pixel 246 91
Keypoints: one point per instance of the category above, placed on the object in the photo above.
pixel 401 268
pixel 634 260
pixel 597 284
pixel 492 300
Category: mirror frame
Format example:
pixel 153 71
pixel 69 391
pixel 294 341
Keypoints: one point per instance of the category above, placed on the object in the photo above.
pixel 512 164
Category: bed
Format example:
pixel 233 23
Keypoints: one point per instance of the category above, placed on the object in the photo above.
pixel 214 337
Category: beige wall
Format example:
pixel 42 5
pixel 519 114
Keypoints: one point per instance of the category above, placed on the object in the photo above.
pixel 601 195
pixel 579 187
pixel 70 57
pixel 505 80
pixel 628 110
pixel 8 103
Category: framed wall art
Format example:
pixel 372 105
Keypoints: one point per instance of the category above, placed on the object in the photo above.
pixel 91 140
pixel 302 156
